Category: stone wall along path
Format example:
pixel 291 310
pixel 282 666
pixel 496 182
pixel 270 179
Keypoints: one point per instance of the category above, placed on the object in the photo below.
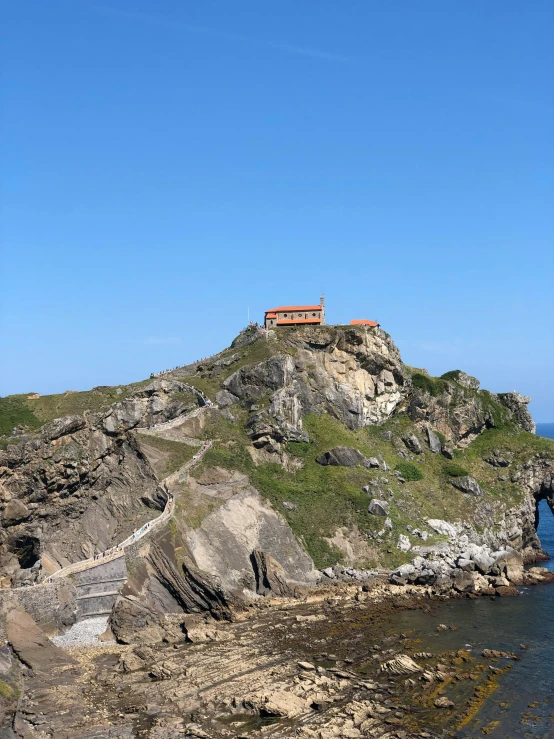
pixel 179 475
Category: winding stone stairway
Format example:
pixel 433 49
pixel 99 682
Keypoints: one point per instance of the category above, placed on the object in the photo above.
pixel 99 579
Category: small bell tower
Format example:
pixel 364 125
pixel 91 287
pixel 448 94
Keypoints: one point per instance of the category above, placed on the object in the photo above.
pixel 322 303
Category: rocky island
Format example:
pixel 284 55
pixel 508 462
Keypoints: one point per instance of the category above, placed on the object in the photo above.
pixel 220 550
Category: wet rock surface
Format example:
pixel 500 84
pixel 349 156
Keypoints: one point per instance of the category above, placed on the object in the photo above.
pixel 334 668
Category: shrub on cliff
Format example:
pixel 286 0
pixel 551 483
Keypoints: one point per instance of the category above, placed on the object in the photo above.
pixel 451 375
pixel 409 471
pixel 455 470
pixel 430 385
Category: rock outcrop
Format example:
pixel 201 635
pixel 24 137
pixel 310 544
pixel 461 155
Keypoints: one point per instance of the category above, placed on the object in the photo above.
pixel 517 405
pixel 342 456
pixel 356 377
pixel 83 482
pixel 224 542
pixel 80 484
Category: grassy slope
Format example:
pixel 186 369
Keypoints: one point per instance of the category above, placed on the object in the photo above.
pixel 165 455
pixel 330 497
pixel 32 413
pixel 327 497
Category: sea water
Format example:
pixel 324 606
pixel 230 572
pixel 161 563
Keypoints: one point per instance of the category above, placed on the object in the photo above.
pixel 523 704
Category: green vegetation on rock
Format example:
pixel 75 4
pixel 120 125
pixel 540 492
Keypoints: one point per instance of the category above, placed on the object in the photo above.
pixel 31 412
pixel 7 692
pixel 455 470
pixel 409 471
pixel 165 456
pixel 329 498
pixel 325 504
pixel 15 411
pixel 451 375
pixel 432 385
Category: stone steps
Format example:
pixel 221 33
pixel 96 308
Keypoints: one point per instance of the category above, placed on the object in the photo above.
pixel 99 594
pixel 92 614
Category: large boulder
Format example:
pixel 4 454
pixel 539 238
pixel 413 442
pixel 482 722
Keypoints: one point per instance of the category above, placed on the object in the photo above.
pixel 481 556
pixel 270 575
pixel 31 644
pixel 225 398
pixel 442 527
pixel 276 703
pixel 402 664
pixel 412 443
pixel 133 623
pixel 510 564
pixel 467 485
pixel 435 445
pixel 462 580
pixel 342 456
pixel 378 507
pixel 496 460
pixel 403 543
pixel 15 512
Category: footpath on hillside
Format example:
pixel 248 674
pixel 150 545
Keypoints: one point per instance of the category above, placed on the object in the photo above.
pixel 119 549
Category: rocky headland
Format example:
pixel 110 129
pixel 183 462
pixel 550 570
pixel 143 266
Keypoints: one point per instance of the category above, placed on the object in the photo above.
pixel 301 479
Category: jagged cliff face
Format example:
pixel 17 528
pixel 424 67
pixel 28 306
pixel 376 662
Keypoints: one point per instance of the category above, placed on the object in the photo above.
pixel 80 484
pixel 83 482
pixel 356 377
pixel 460 412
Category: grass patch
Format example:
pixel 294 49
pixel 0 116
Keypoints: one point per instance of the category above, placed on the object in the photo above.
pixel 409 471
pixel 451 375
pixel 15 411
pixel 7 692
pixel 432 385
pixel 165 455
pixel 455 470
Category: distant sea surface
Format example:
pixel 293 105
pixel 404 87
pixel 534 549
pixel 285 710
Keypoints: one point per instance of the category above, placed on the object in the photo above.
pixel 545 429
pixel 523 705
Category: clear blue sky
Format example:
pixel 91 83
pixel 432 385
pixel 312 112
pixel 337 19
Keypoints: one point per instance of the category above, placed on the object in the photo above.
pixel 168 164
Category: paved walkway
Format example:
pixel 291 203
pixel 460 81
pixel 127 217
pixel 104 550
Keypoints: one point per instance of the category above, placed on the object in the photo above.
pixel 178 476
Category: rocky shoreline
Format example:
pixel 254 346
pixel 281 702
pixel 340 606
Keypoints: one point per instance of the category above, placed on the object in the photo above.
pixel 477 571
pixel 332 664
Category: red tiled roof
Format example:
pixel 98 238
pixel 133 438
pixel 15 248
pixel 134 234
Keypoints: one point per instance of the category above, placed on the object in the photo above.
pixel 291 321
pixel 271 315
pixel 293 308
pixel 363 322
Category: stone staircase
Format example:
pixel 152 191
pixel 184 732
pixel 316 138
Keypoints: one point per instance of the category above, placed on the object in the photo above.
pixel 98 580
pixel 98 586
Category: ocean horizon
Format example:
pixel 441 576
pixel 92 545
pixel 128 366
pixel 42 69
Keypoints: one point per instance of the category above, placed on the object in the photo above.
pixel 545 429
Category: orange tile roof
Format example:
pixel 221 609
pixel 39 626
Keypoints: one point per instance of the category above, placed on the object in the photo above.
pixel 293 308
pixel 290 321
pixel 363 322
pixel 270 315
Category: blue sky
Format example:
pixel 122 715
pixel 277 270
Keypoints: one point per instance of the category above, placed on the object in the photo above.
pixel 167 165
